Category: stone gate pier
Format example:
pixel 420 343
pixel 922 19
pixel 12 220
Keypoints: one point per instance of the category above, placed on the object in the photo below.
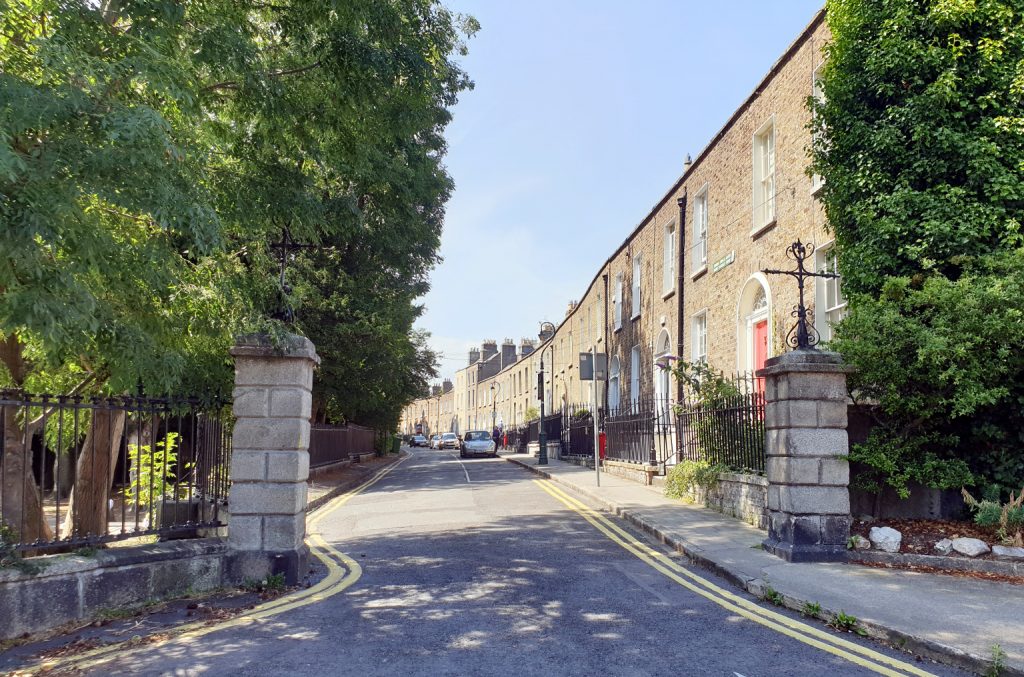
pixel 806 447
pixel 270 458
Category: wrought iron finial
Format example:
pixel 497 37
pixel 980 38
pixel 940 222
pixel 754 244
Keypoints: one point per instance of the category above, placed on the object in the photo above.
pixel 284 311
pixel 803 335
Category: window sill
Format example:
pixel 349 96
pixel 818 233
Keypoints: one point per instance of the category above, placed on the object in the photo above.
pixel 815 190
pixel 699 273
pixel 667 295
pixel 635 318
pixel 761 230
pixel 617 329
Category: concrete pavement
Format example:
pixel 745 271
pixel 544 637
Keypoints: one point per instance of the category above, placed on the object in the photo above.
pixel 956 620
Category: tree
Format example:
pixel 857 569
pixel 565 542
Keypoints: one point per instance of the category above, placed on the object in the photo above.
pixel 150 151
pixel 920 140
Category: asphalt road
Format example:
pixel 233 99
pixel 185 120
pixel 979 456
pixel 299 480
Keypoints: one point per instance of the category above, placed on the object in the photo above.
pixel 473 568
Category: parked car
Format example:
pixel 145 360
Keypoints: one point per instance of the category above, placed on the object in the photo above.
pixel 418 441
pixel 478 442
pixel 435 442
pixel 450 441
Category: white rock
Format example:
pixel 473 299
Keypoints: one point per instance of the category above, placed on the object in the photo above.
pixel 944 547
pixel 1007 553
pixel 885 538
pixel 972 547
pixel 861 543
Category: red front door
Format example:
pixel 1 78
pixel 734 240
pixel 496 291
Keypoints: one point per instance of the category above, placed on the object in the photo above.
pixel 760 344
pixel 760 352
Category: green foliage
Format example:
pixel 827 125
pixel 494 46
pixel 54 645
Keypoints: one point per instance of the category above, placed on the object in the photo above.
pixel 811 610
pixel 720 398
pixel 531 414
pixel 770 594
pixel 273 583
pixel 998 664
pixel 153 472
pixel 1006 517
pixel 149 152
pixel 11 558
pixel 920 140
pixel 844 622
pixel 687 475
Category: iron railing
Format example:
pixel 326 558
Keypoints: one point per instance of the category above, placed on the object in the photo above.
pixel 630 433
pixel 720 425
pixel 329 444
pixel 78 471
pixel 726 427
pixel 578 431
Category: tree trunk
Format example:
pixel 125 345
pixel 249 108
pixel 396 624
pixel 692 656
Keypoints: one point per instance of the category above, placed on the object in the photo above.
pixel 19 495
pixel 94 474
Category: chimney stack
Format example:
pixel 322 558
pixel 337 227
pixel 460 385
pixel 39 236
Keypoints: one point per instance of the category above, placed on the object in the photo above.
pixel 508 353
pixel 490 348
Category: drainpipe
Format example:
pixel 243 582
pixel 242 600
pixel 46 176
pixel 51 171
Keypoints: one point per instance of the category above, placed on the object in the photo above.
pixel 681 312
pixel 607 348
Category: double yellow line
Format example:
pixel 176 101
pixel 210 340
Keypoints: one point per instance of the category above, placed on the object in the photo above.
pixel 802 632
pixel 342 572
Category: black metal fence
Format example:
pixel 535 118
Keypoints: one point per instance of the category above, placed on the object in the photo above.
pixel 725 428
pixel 78 471
pixel 329 444
pixel 723 424
pixel 578 431
pixel 630 433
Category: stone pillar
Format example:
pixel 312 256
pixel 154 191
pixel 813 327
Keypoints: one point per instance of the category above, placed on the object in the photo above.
pixel 270 456
pixel 806 447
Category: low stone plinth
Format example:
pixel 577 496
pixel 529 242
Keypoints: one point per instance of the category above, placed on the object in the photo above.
pixel 72 587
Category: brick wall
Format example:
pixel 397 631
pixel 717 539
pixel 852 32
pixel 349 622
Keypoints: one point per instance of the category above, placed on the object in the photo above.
pixel 725 169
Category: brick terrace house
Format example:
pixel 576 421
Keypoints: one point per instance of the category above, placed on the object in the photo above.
pixel 687 280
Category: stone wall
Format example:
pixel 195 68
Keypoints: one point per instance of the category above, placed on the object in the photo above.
pixel 643 474
pixel 72 587
pixel 738 495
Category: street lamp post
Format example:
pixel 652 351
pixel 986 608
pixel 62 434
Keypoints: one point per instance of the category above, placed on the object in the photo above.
pixel 542 436
pixel 495 389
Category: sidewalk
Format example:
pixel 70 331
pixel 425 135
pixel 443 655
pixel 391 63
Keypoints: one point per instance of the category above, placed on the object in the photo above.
pixel 955 620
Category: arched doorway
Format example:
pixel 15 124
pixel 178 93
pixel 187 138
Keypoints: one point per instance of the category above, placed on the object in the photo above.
pixel 664 415
pixel 754 327
pixel 614 387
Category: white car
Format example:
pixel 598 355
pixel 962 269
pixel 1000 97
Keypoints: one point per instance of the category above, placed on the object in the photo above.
pixel 435 442
pixel 478 442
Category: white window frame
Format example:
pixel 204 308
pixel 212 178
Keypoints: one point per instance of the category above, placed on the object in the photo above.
pixel 635 282
pixel 634 375
pixel 617 301
pixel 699 337
pixel 668 264
pixel 829 302
pixel 700 231
pixel 817 180
pixel 764 187
pixel 614 384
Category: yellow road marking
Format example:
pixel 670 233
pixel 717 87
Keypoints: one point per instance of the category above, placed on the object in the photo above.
pixel 342 573
pixel 775 621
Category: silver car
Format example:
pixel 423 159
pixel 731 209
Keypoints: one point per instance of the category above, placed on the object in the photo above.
pixel 478 442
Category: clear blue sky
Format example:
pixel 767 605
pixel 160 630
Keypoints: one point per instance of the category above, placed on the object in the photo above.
pixel 582 116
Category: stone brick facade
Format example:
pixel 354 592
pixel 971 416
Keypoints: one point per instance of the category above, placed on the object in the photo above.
pixel 724 287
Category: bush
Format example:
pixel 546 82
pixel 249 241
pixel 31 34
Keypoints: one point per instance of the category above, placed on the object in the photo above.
pixel 686 476
pixel 941 360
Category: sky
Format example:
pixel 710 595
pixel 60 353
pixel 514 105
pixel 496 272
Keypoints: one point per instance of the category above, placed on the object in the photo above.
pixel 581 119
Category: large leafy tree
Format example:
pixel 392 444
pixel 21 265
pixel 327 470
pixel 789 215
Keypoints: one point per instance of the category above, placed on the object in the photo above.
pixel 920 138
pixel 150 150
